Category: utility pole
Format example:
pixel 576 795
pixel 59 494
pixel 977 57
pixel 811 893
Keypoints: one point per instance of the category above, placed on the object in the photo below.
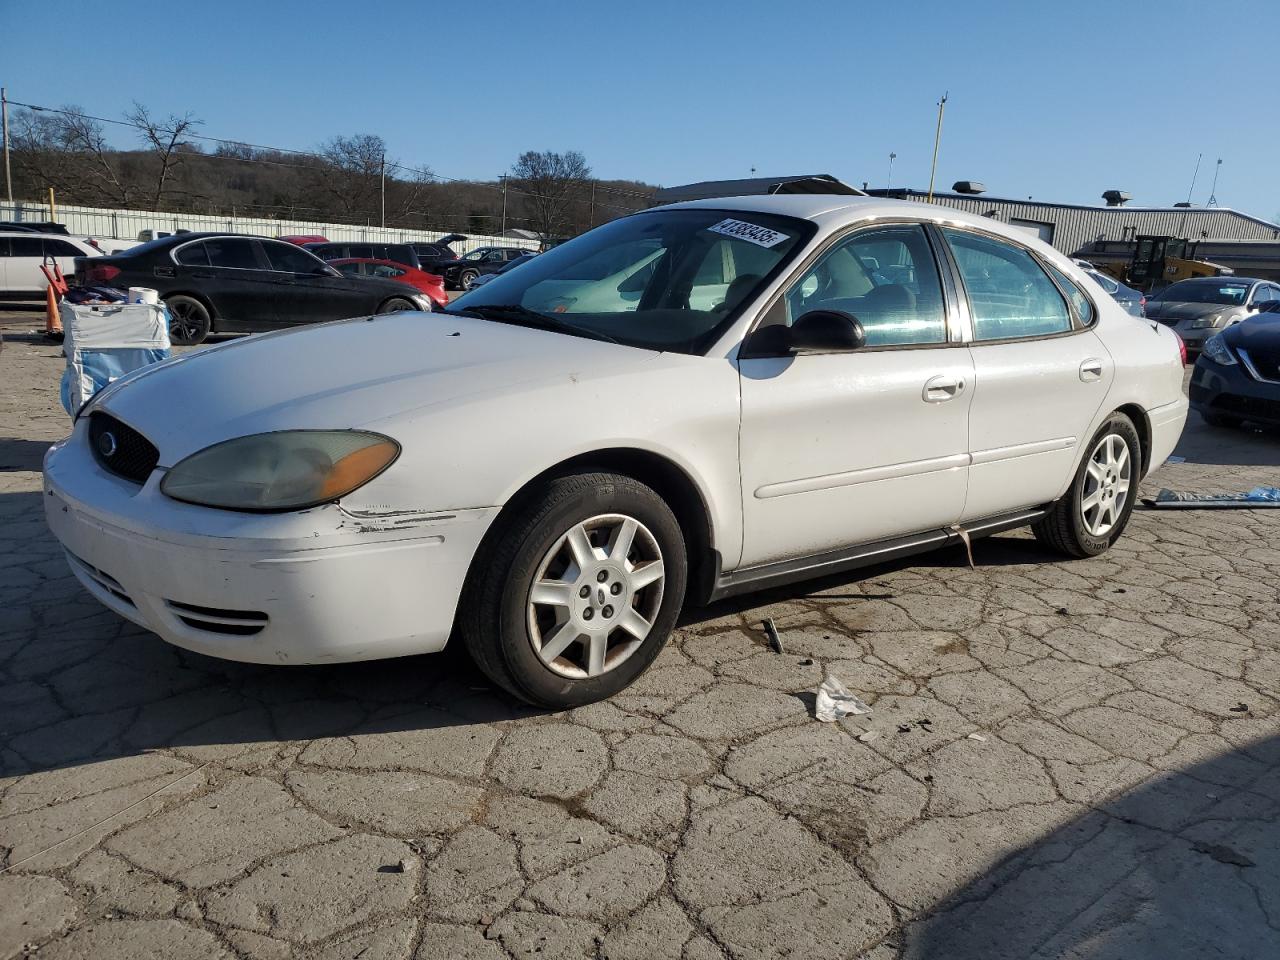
pixel 889 182
pixel 384 190
pixel 591 210
pixel 937 138
pixel 4 113
pixel 503 178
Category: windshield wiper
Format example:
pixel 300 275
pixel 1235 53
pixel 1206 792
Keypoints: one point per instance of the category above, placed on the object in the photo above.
pixel 524 317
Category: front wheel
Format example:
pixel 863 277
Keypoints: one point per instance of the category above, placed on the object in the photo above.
pixel 573 596
pixel 189 320
pixel 1094 512
pixel 467 278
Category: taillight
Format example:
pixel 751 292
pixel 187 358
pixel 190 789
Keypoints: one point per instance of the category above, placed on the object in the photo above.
pixel 103 274
pixel 1182 349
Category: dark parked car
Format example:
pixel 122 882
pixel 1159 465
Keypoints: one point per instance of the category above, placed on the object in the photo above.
pixel 481 280
pixel 461 273
pixel 1237 376
pixel 1200 307
pixel 1134 301
pixel 340 250
pixel 215 283
pixel 434 256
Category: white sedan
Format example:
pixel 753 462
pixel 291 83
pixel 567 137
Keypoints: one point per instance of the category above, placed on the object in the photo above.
pixel 686 403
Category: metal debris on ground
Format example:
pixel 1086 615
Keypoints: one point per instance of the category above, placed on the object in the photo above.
pixel 835 702
pixel 1251 500
pixel 1240 708
pixel 771 631
pixel 977 736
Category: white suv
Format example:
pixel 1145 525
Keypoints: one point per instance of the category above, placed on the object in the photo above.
pixel 21 255
pixel 689 402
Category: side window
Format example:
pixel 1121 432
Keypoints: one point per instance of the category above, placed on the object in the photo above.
pixel 1263 295
pixel 385 270
pixel 228 252
pixel 1083 305
pixel 193 255
pixel 887 278
pixel 26 247
pixel 60 248
pixel 1009 295
pixel 363 251
pixel 351 269
pixel 4 246
pixel 287 258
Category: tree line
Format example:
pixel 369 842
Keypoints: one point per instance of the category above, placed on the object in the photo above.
pixel 346 179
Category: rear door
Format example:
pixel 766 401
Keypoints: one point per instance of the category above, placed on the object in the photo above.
pixel 1040 373
pixel 64 253
pixel 238 283
pixel 23 265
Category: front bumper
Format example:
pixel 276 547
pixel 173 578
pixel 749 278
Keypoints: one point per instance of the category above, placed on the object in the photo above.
pixel 1230 391
pixel 315 586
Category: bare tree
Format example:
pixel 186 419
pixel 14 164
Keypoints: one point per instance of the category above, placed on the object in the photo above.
pixel 549 182
pixel 166 140
pixel 348 176
pixel 67 150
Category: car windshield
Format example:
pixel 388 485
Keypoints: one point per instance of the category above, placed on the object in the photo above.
pixel 1199 291
pixel 661 280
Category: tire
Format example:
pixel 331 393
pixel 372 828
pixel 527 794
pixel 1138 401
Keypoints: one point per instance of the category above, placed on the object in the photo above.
pixel 396 304
pixel 517 641
pixel 1076 531
pixel 466 278
pixel 1222 420
pixel 189 320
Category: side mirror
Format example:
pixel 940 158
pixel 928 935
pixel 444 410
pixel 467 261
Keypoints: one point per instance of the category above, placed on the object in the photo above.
pixel 326 271
pixel 818 331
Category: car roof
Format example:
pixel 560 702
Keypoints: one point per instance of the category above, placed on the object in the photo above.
pixel 1236 280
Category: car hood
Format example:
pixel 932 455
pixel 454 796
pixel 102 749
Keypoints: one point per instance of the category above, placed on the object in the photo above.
pixel 1257 333
pixel 347 374
pixel 1183 310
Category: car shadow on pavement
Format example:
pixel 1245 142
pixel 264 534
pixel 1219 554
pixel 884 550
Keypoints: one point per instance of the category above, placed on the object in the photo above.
pixel 1185 866
pixel 1244 446
pixel 17 454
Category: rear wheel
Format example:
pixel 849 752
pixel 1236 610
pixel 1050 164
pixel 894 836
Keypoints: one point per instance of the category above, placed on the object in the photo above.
pixel 1223 420
pixel 396 304
pixel 466 278
pixel 572 597
pixel 189 320
pixel 1094 512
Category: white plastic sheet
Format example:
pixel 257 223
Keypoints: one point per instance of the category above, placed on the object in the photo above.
pixel 835 702
pixel 104 342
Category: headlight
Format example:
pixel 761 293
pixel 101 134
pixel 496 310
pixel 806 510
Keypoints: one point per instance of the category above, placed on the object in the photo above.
pixel 288 470
pixel 1201 323
pixel 1216 349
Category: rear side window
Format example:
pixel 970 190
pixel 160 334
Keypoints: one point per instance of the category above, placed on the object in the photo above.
pixel 427 251
pixel 1010 296
pixel 60 248
pixel 1083 305
pixel 26 246
pixel 351 269
pixel 361 251
pixel 287 258
pixel 192 255
pixel 237 254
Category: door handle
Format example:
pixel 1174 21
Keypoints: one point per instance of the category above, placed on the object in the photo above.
pixel 1091 370
pixel 942 388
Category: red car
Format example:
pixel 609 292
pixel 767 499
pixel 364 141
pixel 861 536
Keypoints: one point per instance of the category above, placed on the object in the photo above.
pixel 429 283
pixel 301 239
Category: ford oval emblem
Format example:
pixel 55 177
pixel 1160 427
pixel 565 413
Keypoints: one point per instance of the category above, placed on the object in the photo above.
pixel 107 444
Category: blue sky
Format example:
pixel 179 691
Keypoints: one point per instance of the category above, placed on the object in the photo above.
pixel 1059 100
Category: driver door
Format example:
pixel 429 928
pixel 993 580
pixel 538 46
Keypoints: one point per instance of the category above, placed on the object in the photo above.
pixel 846 448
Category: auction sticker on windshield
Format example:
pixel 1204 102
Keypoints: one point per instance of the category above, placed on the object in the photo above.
pixel 741 230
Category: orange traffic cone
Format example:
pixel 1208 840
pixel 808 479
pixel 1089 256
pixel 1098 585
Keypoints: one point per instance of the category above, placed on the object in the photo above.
pixel 52 319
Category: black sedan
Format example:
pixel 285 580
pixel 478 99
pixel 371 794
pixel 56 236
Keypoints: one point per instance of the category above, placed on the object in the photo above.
pixel 461 273
pixel 219 283
pixel 1237 376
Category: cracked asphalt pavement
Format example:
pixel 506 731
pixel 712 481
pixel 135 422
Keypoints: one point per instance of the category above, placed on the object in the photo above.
pixel 1064 759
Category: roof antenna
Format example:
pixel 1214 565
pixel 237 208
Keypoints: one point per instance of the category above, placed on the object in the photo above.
pixel 937 138
pixel 1199 157
pixel 1213 191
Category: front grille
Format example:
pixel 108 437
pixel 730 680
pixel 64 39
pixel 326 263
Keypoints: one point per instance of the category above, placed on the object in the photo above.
pixel 121 449
pixel 1248 407
pixel 101 578
pixel 235 623
pixel 1265 362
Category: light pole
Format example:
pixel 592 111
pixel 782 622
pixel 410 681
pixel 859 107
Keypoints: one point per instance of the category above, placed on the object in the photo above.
pixel 384 191
pixel 889 182
pixel 4 113
pixel 503 178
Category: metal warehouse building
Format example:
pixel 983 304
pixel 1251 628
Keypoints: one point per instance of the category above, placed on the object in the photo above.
pixel 1075 229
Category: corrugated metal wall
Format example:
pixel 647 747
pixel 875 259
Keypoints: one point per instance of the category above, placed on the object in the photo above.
pixel 1075 228
pixel 126 224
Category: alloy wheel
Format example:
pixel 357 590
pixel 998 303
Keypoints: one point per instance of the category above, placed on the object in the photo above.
pixel 185 320
pixel 1106 486
pixel 595 596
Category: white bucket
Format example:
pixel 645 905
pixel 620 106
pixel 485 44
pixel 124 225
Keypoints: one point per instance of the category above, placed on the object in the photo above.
pixel 143 295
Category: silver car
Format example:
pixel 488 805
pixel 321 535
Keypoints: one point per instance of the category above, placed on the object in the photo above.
pixel 1198 308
